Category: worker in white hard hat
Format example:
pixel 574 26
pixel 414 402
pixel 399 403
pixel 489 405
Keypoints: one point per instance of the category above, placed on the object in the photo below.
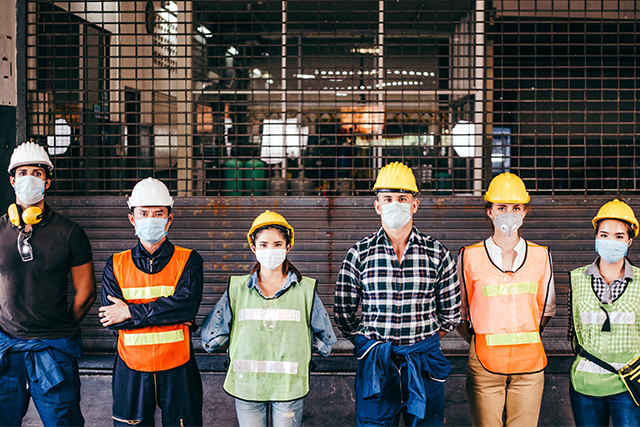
pixel 151 295
pixel 406 284
pixel 39 331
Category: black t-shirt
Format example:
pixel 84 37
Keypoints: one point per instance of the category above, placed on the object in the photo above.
pixel 33 295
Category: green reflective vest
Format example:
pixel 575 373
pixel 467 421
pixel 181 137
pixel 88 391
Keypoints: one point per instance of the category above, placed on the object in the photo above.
pixel 616 347
pixel 270 343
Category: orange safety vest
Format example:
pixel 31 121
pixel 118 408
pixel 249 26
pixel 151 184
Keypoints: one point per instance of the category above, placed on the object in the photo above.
pixel 506 308
pixel 152 348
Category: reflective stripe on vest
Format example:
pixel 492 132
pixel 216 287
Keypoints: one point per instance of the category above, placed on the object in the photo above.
pixel 147 293
pixel 152 348
pixel 506 308
pixel 269 348
pixel 616 347
pixel 289 368
pixel 154 338
pixel 585 365
pixel 263 314
pixel 614 318
pixel 513 339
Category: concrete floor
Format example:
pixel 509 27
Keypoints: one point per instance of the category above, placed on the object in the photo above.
pixel 330 402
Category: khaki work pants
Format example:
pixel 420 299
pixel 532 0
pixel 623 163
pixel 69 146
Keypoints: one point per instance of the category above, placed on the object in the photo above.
pixel 520 396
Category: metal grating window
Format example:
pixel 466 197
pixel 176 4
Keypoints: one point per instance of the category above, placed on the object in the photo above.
pixel 240 98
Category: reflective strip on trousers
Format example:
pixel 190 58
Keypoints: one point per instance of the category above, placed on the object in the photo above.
pixel 147 293
pixel 132 339
pixel 265 366
pixel 615 318
pixel 585 365
pixel 513 339
pixel 510 289
pixel 262 314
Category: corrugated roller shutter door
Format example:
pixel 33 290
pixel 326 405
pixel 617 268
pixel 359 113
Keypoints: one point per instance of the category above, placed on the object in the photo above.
pixel 325 229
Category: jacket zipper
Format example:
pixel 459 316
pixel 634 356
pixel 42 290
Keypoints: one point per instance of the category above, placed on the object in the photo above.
pixel 151 265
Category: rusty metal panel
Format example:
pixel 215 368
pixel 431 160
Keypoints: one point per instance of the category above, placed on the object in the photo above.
pixel 325 229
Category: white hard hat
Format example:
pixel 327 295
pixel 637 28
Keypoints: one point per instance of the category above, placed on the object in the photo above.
pixel 29 153
pixel 150 192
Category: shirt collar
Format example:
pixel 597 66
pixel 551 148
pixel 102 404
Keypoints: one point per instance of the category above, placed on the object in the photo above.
pixel 166 249
pixel 292 279
pixel 519 248
pixel 381 235
pixel 594 271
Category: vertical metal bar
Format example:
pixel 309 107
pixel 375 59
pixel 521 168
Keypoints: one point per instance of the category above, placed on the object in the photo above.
pixel 283 105
pixel 380 93
pixel 479 97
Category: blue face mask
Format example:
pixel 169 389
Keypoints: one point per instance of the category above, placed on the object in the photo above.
pixel 151 230
pixel 29 189
pixel 611 251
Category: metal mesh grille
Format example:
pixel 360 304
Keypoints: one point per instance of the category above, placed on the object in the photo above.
pixel 313 97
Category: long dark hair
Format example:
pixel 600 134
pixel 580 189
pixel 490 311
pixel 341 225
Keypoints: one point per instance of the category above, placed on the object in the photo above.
pixel 287 266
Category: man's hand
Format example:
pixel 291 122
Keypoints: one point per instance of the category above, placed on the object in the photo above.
pixel 114 314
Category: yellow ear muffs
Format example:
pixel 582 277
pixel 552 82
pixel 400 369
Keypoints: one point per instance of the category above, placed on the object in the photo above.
pixel 32 215
pixel 14 212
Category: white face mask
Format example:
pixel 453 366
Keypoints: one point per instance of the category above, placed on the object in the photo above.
pixel 396 215
pixel 271 258
pixel 508 223
pixel 29 189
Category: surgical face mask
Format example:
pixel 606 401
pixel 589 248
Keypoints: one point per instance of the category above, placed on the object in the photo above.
pixel 29 189
pixel 396 215
pixel 611 251
pixel 151 230
pixel 271 258
pixel 508 223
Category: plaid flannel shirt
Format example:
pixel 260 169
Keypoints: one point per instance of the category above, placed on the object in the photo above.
pixel 401 303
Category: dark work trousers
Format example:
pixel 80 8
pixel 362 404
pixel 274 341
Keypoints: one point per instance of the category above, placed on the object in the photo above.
pixel 177 392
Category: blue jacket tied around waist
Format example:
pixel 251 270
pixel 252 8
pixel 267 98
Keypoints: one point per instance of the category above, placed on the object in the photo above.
pixel 39 359
pixel 426 366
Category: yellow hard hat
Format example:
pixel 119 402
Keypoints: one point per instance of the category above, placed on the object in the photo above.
pixel 396 176
pixel 617 210
pixel 507 188
pixel 269 218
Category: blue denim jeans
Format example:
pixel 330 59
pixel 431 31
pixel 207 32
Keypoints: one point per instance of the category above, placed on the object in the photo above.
pixel 59 406
pixel 283 414
pixel 592 411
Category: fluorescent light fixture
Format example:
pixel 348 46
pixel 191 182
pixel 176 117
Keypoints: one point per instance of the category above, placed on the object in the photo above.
pixel 170 6
pixel 204 31
pixel 341 94
pixel 305 76
pixel 366 50
pixel 232 51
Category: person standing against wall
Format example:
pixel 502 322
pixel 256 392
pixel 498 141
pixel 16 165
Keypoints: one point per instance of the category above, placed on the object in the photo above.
pixel 151 295
pixel 407 286
pixel 39 334
pixel 508 297
pixel 271 320
pixel 604 322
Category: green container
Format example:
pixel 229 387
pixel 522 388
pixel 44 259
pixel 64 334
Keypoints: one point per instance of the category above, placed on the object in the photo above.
pixel 232 175
pixel 444 184
pixel 254 181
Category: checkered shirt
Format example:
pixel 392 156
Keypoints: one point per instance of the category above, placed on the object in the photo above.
pixel 401 303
